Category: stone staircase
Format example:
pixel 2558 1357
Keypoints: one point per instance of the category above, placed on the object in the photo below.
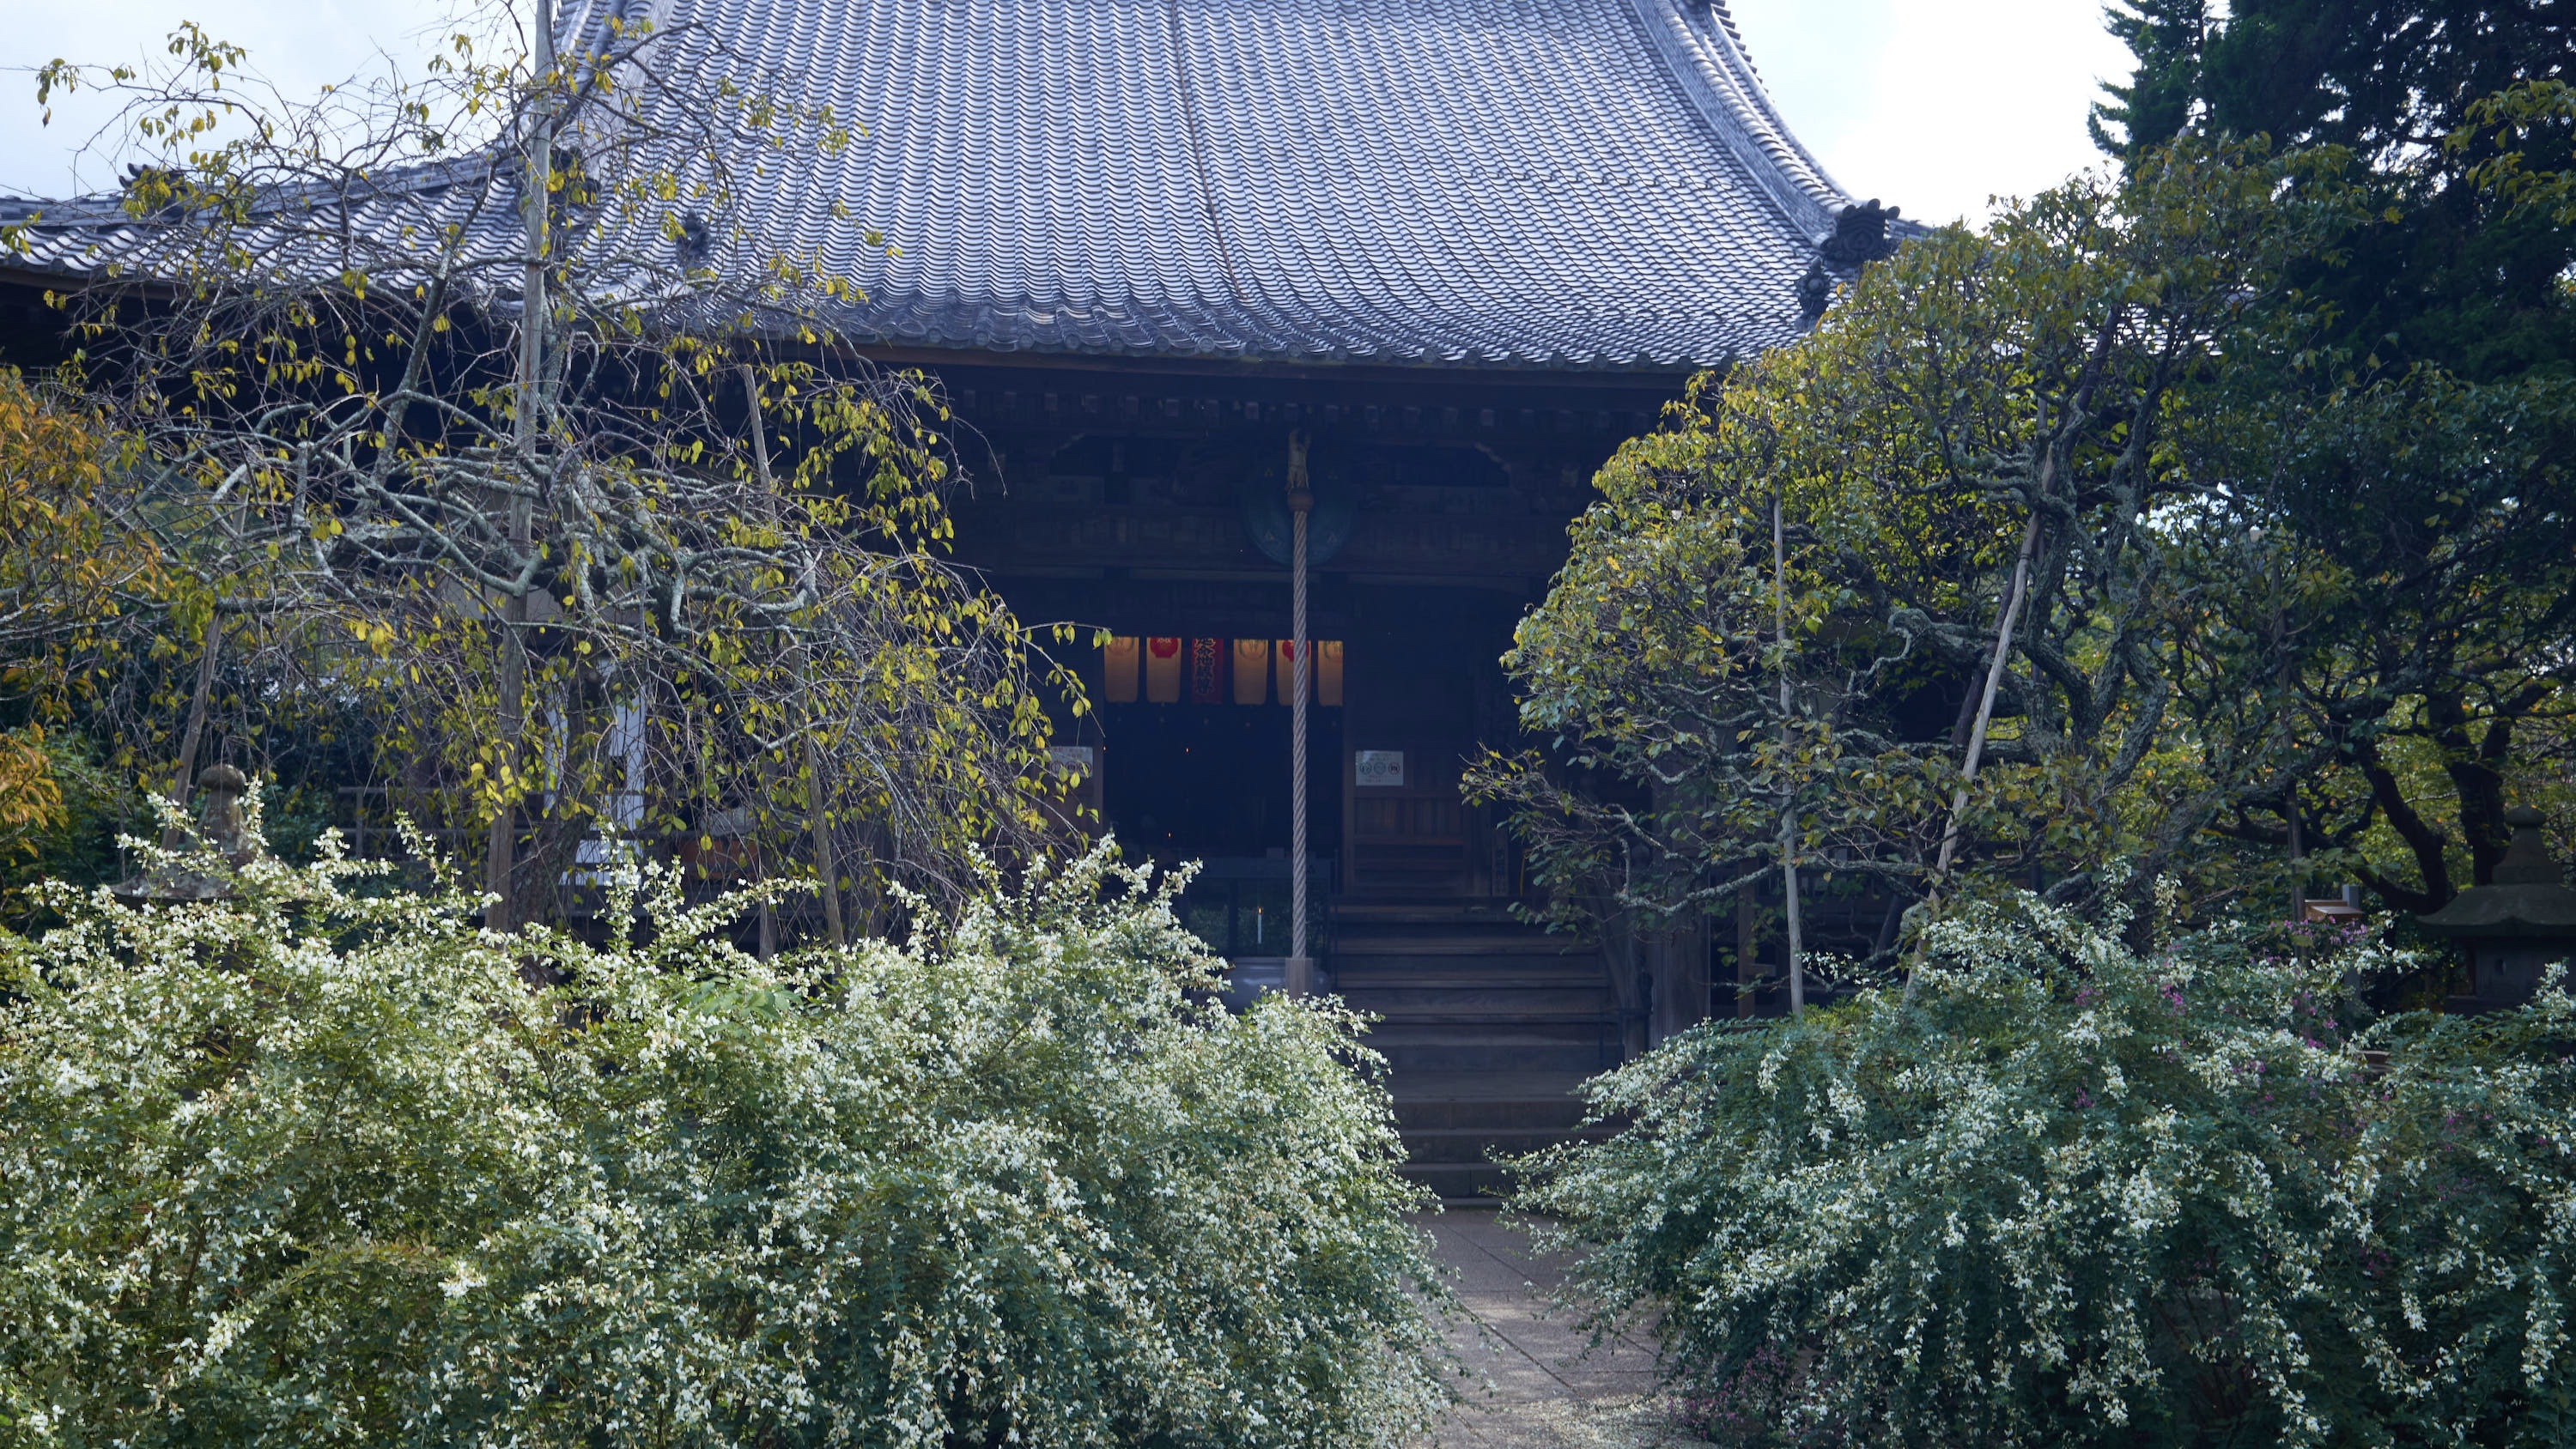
pixel 1488 1026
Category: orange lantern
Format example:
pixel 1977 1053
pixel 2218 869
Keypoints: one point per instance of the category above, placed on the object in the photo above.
pixel 1162 670
pixel 1328 673
pixel 1118 669
pixel 1251 671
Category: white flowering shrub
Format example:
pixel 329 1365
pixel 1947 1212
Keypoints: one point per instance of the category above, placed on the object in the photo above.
pixel 2077 1194
pixel 307 1166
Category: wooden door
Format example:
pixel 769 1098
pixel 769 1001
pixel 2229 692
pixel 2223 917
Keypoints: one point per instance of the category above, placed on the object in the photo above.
pixel 1408 831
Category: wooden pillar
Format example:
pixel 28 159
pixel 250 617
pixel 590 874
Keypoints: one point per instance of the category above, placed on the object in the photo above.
pixel 1748 938
pixel 1679 957
pixel 1622 956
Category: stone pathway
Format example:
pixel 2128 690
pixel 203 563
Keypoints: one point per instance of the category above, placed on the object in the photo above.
pixel 1546 1392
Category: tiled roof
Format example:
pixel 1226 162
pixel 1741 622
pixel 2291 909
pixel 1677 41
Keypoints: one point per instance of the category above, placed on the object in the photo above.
pixel 1516 183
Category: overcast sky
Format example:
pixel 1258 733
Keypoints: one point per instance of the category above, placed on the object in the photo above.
pixel 1932 105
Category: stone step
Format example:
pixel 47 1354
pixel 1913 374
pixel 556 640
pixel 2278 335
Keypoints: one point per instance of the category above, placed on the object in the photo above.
pixel 1560 1116
pixel 1462 1021
pixel 1461 1184
pixel 1473 975
pixel 1469 984
pixel 1434 1146
pixel 1430 1028
pixel 1357 964
pixel 1401 912
pixel 1477 1003
pixel 1487 1025
pixel 1480 1051
pixel 1449 943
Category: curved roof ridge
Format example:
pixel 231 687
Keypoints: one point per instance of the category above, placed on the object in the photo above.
pixel 1709 58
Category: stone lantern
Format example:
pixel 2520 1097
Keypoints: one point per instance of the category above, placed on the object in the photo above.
pixel 2512 929
pixel 222 830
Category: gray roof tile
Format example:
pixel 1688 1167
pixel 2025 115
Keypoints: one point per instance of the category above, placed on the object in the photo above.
pixel 1517 183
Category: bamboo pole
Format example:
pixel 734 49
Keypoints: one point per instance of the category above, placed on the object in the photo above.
pixel 1985 712
pixel 1788 747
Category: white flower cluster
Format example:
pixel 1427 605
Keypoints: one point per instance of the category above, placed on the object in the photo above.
pixel 320 1164
pixel 2084 1193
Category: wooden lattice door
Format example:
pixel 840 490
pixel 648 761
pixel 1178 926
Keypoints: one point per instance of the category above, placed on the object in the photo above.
pixel 1409 833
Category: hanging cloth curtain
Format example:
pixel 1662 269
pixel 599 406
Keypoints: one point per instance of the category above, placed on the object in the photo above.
pixel 1118 669
pixel 1328 673
pixel 1287 657
pixel 1207 671
pixel 1251 671
pixel 1163 670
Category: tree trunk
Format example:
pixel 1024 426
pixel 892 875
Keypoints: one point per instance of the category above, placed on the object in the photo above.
pixel 537 170
pixel 198 703
pixel 827 868
pixel 1788 747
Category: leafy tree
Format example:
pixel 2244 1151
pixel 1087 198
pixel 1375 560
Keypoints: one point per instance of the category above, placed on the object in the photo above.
pixel 2425 435
pixel 2076 1192
pixel 2097 547
pixel 1983 462
pixel 314 1164
pixel 485 454
pixel 66 572
pixel 2159 98
pixel 2428 662
pixel 2432 493
pixel 2441 271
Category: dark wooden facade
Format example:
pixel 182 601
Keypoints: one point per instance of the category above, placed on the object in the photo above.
pixel 1119 495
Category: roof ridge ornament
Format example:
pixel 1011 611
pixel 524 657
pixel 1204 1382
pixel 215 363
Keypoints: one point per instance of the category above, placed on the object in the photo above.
pixel 1815 291
pixel 1860 234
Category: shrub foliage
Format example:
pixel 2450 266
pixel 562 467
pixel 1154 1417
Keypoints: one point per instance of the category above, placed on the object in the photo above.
pixel 316 1166
pixel 2085 1194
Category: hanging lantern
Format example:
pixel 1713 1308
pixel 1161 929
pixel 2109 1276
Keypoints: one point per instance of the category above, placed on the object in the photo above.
pixel 1118 669
pixel 1207 671
pixel 1287 657
pixel 1328 673
pixel 1163 670
pixel 1251 671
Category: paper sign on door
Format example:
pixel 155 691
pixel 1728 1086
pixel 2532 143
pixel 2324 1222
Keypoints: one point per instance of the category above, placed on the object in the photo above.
pixel 1378 767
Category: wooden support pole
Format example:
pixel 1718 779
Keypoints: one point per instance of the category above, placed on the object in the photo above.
pixel 1301 500
pixel 1985 708
pixel 1788 748
pixel 1748 940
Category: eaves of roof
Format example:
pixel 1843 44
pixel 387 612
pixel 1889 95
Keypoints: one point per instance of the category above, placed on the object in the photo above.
pixel 1546 186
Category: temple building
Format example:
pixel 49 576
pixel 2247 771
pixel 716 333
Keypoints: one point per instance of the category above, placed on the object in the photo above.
pixel 1456 251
